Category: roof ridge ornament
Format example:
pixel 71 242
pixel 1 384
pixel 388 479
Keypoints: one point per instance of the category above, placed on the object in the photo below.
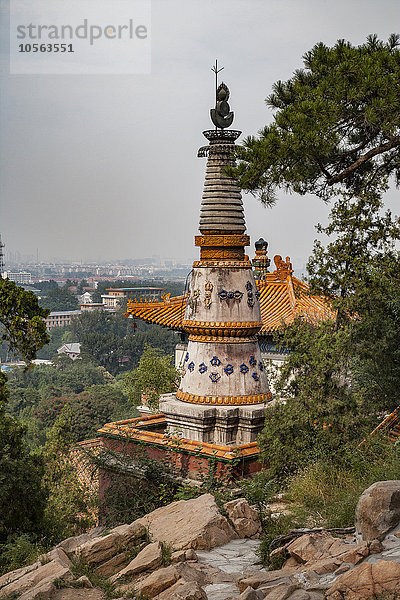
pixel 284 268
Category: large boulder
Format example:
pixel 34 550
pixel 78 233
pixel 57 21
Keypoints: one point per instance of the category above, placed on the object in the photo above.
pixel 157 582
pixel 378 510
pixel 188 524
pixel 148 559
pixel 244 518
pixel 367 580
pixel 103 548
pixel 183 590
pixel 31 581
pixel 325 552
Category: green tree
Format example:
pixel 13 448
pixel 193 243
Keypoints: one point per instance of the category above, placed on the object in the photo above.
pixel 155 375
pixel 90 408
pixel 58 337
pixel 21 495
pixel 341 373
pixel 336 123
pixel 109 339
pixel 59 299
pixel 21 318
pixel 67 512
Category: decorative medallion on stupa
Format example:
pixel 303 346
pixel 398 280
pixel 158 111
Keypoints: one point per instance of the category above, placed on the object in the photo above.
pixel 224 388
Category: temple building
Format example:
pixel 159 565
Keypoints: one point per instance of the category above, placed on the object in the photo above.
pixel 226 318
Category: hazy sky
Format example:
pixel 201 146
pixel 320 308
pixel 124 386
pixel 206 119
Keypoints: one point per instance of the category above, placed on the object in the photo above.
pixel 105 166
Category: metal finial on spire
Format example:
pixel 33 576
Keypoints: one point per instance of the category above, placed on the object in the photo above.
pixel 221 115
pixel 215 70
pixel 1 258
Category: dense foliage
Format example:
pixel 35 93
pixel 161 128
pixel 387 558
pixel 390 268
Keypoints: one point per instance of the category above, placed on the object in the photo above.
pixel 67 509
pixel 22 497
pixel 336 123
pixel 59 299
pixel 38 396
pixel 341 374
pixel 21 494
pixel 21 320
pixel 155 375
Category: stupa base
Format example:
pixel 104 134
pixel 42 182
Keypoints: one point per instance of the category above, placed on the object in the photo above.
pixel 191 457
pixel 230 425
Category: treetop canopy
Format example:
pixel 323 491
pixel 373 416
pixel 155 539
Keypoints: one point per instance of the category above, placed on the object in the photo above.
pixel 336 125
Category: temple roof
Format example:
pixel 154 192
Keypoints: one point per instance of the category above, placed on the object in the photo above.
pixel 168 312
pixel 283 297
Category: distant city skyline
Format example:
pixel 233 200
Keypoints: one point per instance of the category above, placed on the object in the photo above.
pixel 104 168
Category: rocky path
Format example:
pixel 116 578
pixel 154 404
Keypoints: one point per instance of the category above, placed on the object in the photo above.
pixel 189 550
pixel 234 559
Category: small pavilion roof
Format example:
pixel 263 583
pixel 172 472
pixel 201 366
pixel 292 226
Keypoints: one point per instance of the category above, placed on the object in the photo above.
pixel 283 297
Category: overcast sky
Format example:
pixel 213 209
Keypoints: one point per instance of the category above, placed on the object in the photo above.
pixel 105 167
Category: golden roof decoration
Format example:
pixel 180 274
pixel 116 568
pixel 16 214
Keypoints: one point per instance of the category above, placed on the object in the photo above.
pixel 283 297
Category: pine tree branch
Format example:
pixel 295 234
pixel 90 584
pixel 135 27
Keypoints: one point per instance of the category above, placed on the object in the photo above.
pixel 370 154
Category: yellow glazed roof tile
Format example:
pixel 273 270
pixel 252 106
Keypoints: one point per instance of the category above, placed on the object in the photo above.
pixel 283 297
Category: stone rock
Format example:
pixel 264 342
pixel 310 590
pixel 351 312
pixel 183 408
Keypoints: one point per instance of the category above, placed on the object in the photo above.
pixel 178 556
pixel 375 547
pixel 128 533
pixel 73 593
pixel 148 559
pixel 158 581
pixel 244 518
pixel 190 554
pixel 17 574
pixel 101 549
pixel 182 555
pixel 263 578
pixel 326 565
pixel 40 592
pixel 249 594
pixel 70 544
pixel 57 554
pixel 183 590
pixel 84 582
pixel 202 573
pixel 300 595
pixel 281 592
pixel 290 562
pixel 40 576
pixel 378 510
pixel 185 524
pixel 323 553
pixel 111 566
pixel 367 581
pixel 342 569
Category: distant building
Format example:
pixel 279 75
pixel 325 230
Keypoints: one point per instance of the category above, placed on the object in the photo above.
pixel 72 350
pixel 92 306
pixel 61 318
pixel 116 295
pixel 41 361
pixel 20 277
pixel 86 298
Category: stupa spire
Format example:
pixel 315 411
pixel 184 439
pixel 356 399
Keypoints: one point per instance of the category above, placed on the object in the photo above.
pixel 221 210
pixel 223 368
